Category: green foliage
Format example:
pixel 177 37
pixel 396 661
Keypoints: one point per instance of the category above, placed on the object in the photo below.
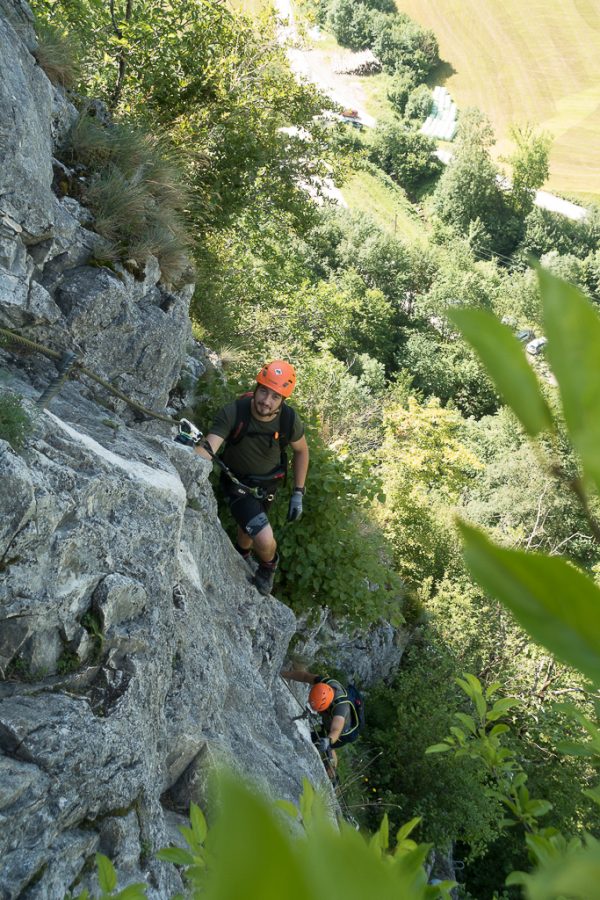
pixel 14 421
pixel 404 719
pixel 337 557
pixel 419 105
pixel 529 166
pixel 405 154
pixel 425 464
pixel 480 738
pixel 447 370
pixel 546 231
pixel 354 25
pixel 401 43
pixel 254 852
pixel 504 357
pixel 197 857
pixel 219 86
pixel 573 329
pixel 401 85
pixel 533 587
pixel 107 882
pixel 469 194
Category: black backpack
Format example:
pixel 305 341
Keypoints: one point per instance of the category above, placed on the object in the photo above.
pixel 242 422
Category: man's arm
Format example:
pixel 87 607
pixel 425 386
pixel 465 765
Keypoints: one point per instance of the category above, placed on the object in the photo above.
pixel 215 442
pixel 337 726
pixel 300 463
pixel 299 675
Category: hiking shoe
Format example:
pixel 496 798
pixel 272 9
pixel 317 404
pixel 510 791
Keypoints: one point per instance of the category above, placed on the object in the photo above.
pixel 265 576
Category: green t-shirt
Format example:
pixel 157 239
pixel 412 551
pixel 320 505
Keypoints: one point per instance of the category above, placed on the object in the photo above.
pixel 258 453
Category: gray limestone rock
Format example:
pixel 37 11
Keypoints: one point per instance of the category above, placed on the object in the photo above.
pixel 118 599
pixel 25 135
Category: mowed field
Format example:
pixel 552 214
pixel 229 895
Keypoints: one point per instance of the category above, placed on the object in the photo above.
pixel 527 60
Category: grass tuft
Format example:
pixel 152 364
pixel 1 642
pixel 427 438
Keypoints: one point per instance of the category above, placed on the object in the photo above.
pixel 57 53
pixel 137 195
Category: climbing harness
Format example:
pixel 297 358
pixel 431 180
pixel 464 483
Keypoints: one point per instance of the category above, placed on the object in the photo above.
pixel 190 435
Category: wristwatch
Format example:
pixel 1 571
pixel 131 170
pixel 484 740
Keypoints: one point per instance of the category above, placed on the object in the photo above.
pixel 299 490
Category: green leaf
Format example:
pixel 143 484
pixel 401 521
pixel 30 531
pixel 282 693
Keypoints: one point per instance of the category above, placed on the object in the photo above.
pixel 505 361
pixel 467 721
pixel 576 876
pixel 472 688
pixel 594 794
pixel 498 730
pixel 198 821
pixel 570 748
pixel 176 855
pixel 438 748
pixel 573 329
pixel 538 808
pixel 553 601
pixel 190 839
pixel 107 877
pixel 407 828
pixel 501 707
pixel 288 807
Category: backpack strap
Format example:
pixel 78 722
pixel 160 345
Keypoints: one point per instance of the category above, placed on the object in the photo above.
pixel 243 415
pixel 344 698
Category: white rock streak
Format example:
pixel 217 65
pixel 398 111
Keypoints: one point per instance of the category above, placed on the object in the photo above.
pixel 154 478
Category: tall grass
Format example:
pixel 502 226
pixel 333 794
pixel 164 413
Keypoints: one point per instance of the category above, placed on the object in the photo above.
pixel 135 190
pixel 57 53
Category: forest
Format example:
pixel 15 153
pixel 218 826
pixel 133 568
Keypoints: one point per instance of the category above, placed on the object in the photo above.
pixel 437 445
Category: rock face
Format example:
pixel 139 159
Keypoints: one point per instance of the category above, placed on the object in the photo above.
pixel 137 652
pixel 135 655
pixel 133 332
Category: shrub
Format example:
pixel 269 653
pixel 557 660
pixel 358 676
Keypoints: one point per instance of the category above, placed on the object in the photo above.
pixel 404 154
pixel 420 103
pixel 400 43
pixel 402 83
pixel 354 24
pixel 14 421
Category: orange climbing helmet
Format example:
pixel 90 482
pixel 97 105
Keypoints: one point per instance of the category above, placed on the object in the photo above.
pixel 321 696
pixel 279 376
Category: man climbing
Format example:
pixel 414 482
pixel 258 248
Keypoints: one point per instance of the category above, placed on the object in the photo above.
pixel 256 429
pixel 329 698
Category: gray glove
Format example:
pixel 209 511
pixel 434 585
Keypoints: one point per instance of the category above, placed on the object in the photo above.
pixel 295 507
pixel 324 744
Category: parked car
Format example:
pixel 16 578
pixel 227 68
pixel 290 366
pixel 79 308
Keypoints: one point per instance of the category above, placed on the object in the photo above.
pixel 536 346
pixel 351 117
pixel 525 334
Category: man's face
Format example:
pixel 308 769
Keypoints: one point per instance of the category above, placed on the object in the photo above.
pixel 266 401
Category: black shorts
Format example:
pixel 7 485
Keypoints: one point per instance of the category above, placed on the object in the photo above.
pixel 249 512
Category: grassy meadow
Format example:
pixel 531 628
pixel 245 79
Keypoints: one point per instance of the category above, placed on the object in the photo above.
pixel 538 62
